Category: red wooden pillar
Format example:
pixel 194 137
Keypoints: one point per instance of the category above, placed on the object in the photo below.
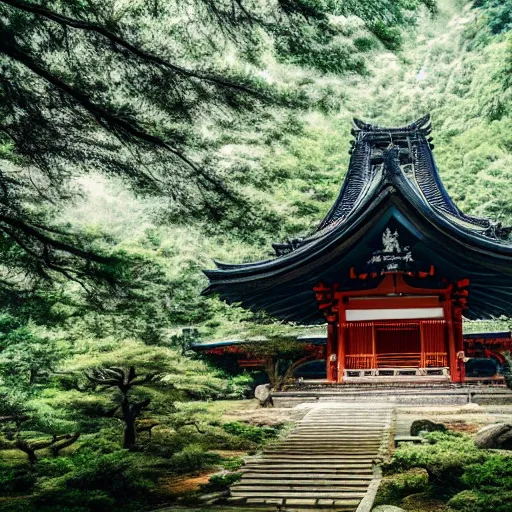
pixel 332 350
pixel 374 346
pixel 452 348
pixel 459 341
pixel 342 339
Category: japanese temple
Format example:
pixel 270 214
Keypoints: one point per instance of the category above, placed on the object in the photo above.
pixel 392 269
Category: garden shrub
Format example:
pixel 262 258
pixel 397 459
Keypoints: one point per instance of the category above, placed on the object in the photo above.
pixel 494 475
pixel 193 458
pixel 392 491
pixel 475 501
pixel 221 482
pixel 252 433
pixel 74 500
pixel 443 458
pixel 17 505
pixel 14 479
pixel 118 473
pixel 233 463
pixel 54 467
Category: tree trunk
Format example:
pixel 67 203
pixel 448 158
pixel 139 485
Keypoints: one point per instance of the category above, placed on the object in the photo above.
pixel 130 434
pixel 26 448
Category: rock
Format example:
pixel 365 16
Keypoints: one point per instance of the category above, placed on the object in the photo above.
pixel 263 394
pixel 498 435
pixel 420 426
pixel 387 508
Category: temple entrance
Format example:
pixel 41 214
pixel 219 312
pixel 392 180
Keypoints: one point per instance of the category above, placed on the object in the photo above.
pixel 393 349
pixel 398 345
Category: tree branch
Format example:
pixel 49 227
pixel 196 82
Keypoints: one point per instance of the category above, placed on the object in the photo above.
pixel 66 21
pixel 102 115
pixel 52 242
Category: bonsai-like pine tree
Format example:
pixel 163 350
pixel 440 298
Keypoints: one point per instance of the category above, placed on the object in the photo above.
pixel 124 382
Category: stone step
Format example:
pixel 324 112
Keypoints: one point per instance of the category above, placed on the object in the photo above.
pixel 349 443
pixel 348 450
pixel 314 455
pixel 286 482
pixel 298 504
pixel 316 438
pixel 306 491
pixel 294 472
pixel 317 458
pixel 298 494
pixel 306 477
pixel 333 465
pixel 325 462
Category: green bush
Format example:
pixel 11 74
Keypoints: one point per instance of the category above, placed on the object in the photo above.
pixel 74 500
pixel 252 433
pixel 53 467
pixel 222 481
pixel 494 475
pixel 193 458
pixel 17 505
pixel 15 479
pixel 474 501
pixel 116 473
pixel 392 491
pixel 444 459
pixel 233 463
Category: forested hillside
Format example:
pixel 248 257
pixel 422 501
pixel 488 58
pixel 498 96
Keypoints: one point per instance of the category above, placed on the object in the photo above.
pixel 124 172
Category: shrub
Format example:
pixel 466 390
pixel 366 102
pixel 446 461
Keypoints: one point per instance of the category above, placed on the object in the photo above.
pixel 233 463
pixel 54 467
pixel 74 500
pixel 255 434
pixel 17 505
pixel 494 475
pixel 444 459
pixel 193 458
pixel 221 482
pixel 474 501
pixel 392 491
pixel 15 479
pixel 116 473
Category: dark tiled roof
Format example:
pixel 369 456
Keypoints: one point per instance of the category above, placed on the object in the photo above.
pixel 392 180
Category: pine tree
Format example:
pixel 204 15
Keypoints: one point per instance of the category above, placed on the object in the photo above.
pixel 135 90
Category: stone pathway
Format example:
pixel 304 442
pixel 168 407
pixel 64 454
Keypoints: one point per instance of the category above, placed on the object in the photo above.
pixel 327 460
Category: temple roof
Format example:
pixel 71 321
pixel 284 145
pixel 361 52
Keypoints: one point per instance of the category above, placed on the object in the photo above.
pixel 392 201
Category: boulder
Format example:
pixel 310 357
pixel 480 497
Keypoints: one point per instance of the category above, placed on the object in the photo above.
pixel 263 394
pixel 387 508
pixel 420 426
pixel 498 435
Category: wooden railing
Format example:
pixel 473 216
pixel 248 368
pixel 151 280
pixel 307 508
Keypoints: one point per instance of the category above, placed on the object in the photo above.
pixel 399 360
pixel 435 360
pixel 359 361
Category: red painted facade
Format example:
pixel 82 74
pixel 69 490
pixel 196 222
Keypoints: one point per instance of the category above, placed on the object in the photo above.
pixel 379 344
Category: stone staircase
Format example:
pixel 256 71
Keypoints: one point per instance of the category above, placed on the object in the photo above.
pixel 326 462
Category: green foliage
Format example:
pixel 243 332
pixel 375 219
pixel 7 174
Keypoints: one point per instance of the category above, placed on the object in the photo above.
pixel 498 14
pixel 393 490
pixel 232 464
pixel 222 481
pixel 27 355
pixel 15 479
pixel 193 458
pixel 253 433
pixel 281 166
pixel 444 458
pixel 494 475
pixel 467 478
